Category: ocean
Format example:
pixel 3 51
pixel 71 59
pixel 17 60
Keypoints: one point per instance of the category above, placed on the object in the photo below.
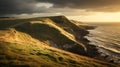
pixel 106 37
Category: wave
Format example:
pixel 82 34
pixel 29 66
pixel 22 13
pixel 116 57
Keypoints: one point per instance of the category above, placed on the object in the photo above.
pixel 107 40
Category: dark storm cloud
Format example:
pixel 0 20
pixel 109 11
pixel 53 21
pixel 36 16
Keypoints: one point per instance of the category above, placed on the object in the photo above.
pixel 14 6
pixel 18 7
pixel 82 3
pixel 107 5
pixel 29 6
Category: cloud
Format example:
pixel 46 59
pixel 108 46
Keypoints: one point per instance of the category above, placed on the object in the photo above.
pixel 14 6
pixel 97 5
pixel 22 6
pixel 70 7
pixel 45 5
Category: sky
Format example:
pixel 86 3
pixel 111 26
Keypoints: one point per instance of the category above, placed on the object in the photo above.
pixel 81 10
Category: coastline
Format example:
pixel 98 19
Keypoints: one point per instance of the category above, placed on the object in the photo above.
pixel 101 53
pixel 92 50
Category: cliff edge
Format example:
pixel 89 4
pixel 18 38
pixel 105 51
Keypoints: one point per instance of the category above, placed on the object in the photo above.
pixel 45 42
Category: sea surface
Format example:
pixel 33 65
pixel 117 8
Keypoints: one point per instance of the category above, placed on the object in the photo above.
pixel 106 37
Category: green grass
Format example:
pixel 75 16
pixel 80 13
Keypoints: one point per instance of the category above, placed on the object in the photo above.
pixel 29 55
pixel 23 53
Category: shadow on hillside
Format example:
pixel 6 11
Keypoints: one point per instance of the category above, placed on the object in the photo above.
pixel 44 32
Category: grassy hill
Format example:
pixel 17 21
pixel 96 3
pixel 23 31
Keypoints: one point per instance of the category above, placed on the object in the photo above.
pixel 45 29
pixel 40 42
pixel 19 49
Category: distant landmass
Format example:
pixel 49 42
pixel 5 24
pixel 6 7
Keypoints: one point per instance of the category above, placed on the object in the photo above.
pixel 53 41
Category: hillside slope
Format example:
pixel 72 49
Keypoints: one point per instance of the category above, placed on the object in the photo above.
pixel 45 29
pixel 78 30
pixel 41 39
pixel 19 49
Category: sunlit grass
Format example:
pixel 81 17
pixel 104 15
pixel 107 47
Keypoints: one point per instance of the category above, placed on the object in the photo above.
pixel 27 54
pixel 26 42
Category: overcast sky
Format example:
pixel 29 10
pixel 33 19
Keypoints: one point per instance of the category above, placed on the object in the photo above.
pixel 83 10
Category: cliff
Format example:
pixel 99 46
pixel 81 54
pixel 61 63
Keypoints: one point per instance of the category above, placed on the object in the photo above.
pixel 45 41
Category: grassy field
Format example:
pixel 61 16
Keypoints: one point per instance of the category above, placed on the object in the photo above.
pixel 28 52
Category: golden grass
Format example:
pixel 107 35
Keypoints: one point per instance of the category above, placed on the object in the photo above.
pixel 29 52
